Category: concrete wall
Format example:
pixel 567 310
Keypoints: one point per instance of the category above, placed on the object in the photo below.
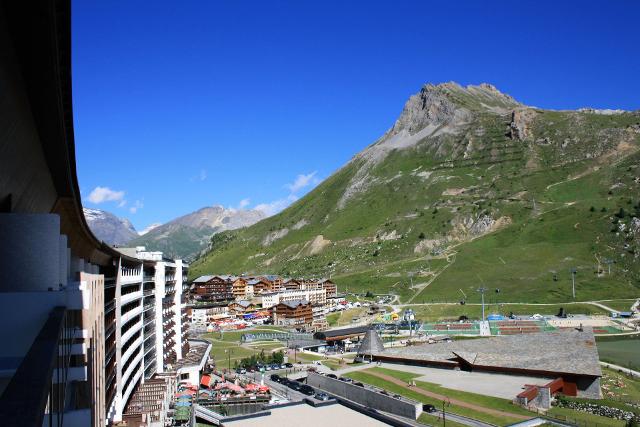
pixel 30 254
pixel 402 407
pixel 589 388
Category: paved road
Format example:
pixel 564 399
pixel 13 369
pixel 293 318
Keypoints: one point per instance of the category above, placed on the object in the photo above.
pixel 621 368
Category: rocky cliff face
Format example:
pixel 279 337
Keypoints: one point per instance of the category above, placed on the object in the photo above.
pixel 109 228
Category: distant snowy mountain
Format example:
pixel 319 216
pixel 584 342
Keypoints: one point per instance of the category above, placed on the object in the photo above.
pixel 149 228
pixel 109 228
pixel 186 236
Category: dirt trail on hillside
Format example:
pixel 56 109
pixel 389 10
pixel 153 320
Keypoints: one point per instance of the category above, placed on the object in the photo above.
pixel 464 404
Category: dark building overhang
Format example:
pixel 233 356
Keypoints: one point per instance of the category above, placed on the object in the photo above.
pixel 38 147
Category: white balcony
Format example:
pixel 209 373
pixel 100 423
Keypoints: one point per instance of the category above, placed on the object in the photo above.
pixel 130 314
pixel 125 337
pixel 137 344
pixel 130 371
pixel 130 297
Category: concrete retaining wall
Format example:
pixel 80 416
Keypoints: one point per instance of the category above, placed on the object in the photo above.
pixel 367 397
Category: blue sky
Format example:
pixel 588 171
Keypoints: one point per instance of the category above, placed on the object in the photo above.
pixel 180 105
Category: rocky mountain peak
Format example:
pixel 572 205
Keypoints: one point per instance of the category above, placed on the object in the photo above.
pixel 440 104
pixel 108 227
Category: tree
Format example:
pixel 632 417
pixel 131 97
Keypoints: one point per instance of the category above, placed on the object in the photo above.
pixel 422 236
pixel 621 213
pixel 592 209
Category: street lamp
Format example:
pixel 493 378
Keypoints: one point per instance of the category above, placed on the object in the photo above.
pixel 482 290
pixel 573 281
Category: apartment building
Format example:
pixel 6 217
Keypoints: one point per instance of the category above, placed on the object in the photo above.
pixel 150 322
pixel 315 297
pixel 81 320
pixel 214 288
pixel 51 287
pixel 296 313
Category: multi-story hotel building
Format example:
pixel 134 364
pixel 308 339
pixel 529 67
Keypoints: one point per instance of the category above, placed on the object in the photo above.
pixel 315 297
pixel 83 324
pixel 296 313
pixel 150 322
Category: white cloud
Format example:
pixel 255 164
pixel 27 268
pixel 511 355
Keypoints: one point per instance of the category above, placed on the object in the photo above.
pixel 202 175
pixel 303 181
pixel 244 203
pixel 137 205
pixel 276 206
pixel 105 194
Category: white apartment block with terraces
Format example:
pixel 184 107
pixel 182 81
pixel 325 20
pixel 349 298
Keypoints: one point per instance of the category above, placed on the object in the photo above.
pixel 150 326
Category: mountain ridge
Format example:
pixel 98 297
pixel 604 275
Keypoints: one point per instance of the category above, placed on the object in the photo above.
pixel 458 166
pixel 185 236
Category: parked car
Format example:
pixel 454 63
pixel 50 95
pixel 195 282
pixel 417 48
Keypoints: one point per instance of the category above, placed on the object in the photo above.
pixel 346 379
pixel 334 376
pixel 283 366
pixel 359 384
pixel 321 396
pixel 295 385
pixel 385 392
pixel 288 365
pixel 276 378
pixel 427 407
pixel 307 389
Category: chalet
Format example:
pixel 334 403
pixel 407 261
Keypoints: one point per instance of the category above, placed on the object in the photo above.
pixel 292 284
pixel 293 313
pixel 330 287
pixel 241 289
pixel 214 288
pixel 260 285
pixel 242 307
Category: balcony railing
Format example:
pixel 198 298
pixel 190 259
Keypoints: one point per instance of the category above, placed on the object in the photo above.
pixel 108 307
pixel 33 393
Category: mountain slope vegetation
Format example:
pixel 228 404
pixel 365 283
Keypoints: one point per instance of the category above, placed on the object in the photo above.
pixel 468 188
pixel 185 236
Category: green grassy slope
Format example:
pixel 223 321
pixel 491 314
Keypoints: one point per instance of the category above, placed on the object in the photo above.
pixel 454 211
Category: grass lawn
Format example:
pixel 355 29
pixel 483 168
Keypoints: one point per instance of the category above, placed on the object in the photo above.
pixel 267 345
pixel 227 346
pixel 436 421
pixel 620 350
pixel 344 318
pixel 617 387
pixel 579 417
pixel 485 401
pixel 335 364
pixel 221 354
pixel 303 357
pixel 620 304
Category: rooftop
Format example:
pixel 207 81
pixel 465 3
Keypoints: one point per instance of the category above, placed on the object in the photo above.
pixel 295 303
pixel 307 415
pixel 562 352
